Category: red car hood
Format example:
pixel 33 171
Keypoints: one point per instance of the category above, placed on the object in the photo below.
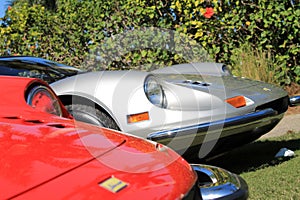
pixel 42 154
pixel 35 150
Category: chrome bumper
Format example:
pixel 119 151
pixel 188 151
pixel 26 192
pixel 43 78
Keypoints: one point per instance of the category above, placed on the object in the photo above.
pixel 253 124
pixel 294 101
pixel 217 183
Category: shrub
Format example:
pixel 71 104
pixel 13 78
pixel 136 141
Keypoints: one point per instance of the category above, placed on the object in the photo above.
pixel 73 29
pixel 254 64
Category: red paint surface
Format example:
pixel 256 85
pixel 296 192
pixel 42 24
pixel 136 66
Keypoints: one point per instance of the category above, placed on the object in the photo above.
pixel 49 157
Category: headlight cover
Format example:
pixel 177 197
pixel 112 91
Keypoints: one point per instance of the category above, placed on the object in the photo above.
pixel 43 99
pixel 154 92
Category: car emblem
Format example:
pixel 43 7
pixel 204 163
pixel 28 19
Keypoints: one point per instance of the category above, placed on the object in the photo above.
pixel 113 184
pixel 266 89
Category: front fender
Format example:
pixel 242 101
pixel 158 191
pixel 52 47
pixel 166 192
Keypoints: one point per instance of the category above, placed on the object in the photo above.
pixel 119 93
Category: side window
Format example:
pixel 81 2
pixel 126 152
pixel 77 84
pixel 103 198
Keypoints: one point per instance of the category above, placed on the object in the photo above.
pixel 9 71
pixel 27 70
pixel 54 75
pixel 46 71
pixel 37 73
pixel 34 73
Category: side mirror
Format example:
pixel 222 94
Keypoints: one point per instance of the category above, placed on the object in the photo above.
pixel 294 101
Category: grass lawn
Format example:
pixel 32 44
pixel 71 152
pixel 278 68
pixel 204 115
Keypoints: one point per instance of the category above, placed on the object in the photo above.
pixel 267 177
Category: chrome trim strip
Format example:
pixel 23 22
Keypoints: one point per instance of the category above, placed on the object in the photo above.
pixel 295 101
pixel 235 122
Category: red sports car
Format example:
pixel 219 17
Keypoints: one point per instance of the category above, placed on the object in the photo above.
pixel 48 155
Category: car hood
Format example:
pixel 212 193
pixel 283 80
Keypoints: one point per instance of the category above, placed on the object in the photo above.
pixel 36 150
pixel 196 80
pixel 42 153
pixel 226 86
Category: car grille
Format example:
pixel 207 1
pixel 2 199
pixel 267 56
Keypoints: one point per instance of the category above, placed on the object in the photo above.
pixel 280 105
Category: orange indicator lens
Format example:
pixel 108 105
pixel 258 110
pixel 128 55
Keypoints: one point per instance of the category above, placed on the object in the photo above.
pixel 138 117
pixel 238 101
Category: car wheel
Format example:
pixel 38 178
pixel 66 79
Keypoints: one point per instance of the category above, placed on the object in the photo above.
pixel 91 115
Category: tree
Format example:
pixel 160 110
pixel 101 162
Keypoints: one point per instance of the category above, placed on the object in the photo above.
pixel 48 4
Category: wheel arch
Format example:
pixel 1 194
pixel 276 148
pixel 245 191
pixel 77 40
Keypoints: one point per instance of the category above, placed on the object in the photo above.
pixel 68 99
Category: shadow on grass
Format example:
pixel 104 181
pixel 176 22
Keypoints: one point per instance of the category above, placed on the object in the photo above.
pixel 255 155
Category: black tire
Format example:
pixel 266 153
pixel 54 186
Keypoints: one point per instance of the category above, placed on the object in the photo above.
pixel 91 115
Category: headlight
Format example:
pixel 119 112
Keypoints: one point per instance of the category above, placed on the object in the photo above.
pixel 43 99
pixel 154 92
pixel 226 70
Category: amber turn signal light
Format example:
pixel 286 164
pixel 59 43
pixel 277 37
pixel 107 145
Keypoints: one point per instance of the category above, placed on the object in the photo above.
pixel 238 101
pixel 137 117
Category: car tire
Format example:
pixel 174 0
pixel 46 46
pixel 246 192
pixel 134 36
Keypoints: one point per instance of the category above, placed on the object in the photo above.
pixel 91 115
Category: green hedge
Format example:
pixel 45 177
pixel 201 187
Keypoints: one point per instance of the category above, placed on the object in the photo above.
pixel 76 29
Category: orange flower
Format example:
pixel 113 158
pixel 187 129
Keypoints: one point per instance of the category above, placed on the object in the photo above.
pixel 9 8
pixel 209 12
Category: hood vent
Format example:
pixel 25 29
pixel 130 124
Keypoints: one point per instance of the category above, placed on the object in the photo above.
pixel 196 83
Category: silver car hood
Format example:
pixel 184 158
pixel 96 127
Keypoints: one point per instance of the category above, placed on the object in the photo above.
pixel 229 85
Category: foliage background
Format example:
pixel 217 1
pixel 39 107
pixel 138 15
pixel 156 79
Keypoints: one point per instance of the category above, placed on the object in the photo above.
pixel 69 30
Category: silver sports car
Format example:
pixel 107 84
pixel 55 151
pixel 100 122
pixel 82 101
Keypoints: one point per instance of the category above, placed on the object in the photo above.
pixel 198 109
